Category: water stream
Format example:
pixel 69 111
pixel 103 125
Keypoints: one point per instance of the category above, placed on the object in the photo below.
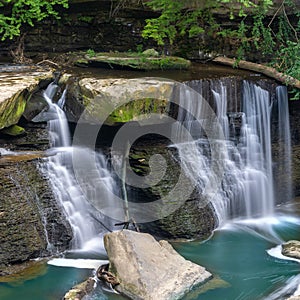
pixel 244 202
pixel 85 222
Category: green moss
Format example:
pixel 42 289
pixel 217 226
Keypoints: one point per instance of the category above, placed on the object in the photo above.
pixel 86 19
pixel 82 63
pixel 13 130
pixel 135 61
pixel 133 110
pixel 12 109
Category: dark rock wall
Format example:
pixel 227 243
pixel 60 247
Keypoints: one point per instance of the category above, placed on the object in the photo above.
pixel 32 224
pixel 191 219
pixel 294 107
pixel 30 219
pixel 84 26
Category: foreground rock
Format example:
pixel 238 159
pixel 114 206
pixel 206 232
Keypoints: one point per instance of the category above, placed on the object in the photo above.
pixel 80 290
pixel 291 249
pixel 150 270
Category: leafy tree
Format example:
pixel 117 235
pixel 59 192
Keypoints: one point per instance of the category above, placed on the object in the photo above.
pixel 15 13
pixel 275 41
pixel 181 17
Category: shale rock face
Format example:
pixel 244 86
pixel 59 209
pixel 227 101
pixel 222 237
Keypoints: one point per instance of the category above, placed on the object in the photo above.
pixel 30 219
pixel 193 218
pixel 150 270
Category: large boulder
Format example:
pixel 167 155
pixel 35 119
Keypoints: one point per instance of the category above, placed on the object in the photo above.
pixel 150 270
pixel 291 249
pixel 15 90
pixel 115 101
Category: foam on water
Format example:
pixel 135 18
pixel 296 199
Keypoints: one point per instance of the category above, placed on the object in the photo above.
pixel 77 263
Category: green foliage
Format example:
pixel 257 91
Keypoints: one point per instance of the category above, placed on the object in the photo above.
pixel 86 19
pixel 15 13
pixel 90 53
pixel 275 41
pixel 139 48
pixel 179 17
pixel 165 26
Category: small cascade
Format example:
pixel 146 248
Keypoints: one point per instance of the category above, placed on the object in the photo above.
pixel 220 97
pixel 284 163
pixel 244 188
pixel 58 124
pixel 255 148
pixel 86 223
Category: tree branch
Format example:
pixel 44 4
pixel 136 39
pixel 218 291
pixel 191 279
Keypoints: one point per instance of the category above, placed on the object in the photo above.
pixel 268 71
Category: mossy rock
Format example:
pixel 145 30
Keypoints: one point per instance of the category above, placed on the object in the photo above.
pixel 15 91
pixel 148 60
pixel 13 130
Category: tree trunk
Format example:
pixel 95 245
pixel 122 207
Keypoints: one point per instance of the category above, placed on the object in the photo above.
pixel 268 71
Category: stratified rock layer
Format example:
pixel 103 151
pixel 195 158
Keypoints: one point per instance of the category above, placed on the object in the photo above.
pixel 31 222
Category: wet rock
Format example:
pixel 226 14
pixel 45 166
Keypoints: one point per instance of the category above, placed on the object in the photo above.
pixel 35 105
pixel 151 52
pixel 148 269
pixel 291 249
pixel 80 290
pixel 31 222
pixel 22 272
pixel 192 219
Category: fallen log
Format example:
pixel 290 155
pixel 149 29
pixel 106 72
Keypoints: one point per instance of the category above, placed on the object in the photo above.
pixel 259 68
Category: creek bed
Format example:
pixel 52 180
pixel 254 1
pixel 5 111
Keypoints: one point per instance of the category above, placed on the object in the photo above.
pixel 236 255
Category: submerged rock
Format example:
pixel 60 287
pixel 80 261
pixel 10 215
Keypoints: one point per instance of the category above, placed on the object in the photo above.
pixel 150 270
pixel 80 290
pixel 291 249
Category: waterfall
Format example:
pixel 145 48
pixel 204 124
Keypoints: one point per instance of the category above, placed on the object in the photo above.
pixel 284 164
pixel 86 223
pixel 245 187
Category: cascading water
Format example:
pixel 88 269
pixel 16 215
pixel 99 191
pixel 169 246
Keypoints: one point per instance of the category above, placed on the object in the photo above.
pixel 284 164
pixel 246 187
pixel 85 223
